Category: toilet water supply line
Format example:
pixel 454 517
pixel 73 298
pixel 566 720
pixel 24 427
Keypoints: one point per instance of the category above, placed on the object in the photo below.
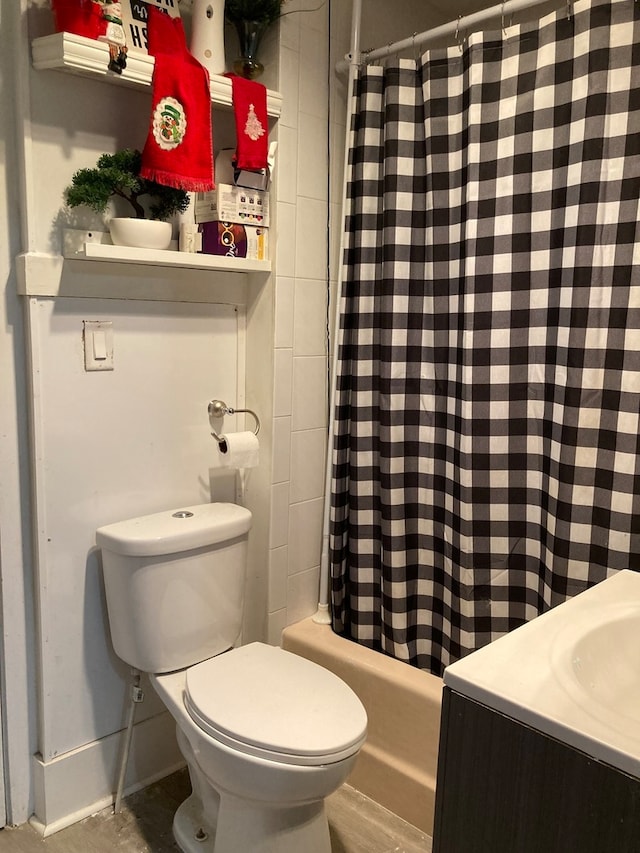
pixel 322 615
pixel 137 696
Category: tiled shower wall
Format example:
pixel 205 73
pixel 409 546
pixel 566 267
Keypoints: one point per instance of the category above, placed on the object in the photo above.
pixel 300 361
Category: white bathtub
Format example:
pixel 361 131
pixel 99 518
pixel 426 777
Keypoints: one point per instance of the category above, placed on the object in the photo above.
pixel 573 673
pixel 398 763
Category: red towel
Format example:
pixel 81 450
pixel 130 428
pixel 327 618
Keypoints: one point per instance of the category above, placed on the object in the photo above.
pixel 179 147
pixel 252 133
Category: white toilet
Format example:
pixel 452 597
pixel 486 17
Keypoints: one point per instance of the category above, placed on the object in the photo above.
pixel 267 735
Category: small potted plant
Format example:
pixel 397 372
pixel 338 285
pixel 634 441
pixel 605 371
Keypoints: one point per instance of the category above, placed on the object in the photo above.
pixel 251 19
pixel 118 175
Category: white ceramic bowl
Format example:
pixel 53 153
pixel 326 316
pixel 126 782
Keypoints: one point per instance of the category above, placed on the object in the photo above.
pixel 140 233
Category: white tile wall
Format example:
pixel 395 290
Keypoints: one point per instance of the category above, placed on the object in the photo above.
pixel 282 382
pixel 310 317
pixel 309 408
pixel 308 454
pixel 278 576
pixel 305 535
pixel 284 312
pixel 300 333
pixel 286 240
pixel 281 450
pixel 287 158
pixel 276 623
pixel 313 91
pixel 289 83
pixel 313 171
pixel 279 522
pixel 311 238
pixel 302 595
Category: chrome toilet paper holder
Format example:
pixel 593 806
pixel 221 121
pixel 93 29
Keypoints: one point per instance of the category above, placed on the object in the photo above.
pixel 218 409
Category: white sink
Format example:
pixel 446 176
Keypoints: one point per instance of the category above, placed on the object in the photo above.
pixel 605 665
pixel 573 673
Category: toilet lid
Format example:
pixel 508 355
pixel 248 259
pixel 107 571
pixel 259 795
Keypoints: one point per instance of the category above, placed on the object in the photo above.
pixel 265 701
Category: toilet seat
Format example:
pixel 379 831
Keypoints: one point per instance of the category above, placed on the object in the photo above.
pixel 267 702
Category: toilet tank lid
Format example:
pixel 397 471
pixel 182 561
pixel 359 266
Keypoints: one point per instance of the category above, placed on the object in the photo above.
pixel 175 530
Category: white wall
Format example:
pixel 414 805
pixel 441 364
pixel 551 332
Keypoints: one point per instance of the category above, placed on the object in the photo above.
pixel 113 445
pixel 108 446
pixel 300 367
pixel 18 684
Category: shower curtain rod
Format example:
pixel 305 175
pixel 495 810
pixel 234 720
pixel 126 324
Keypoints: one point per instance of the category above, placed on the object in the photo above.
pixel 455 29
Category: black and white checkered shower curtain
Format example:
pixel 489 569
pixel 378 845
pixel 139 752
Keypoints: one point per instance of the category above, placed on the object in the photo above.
pixel 487 450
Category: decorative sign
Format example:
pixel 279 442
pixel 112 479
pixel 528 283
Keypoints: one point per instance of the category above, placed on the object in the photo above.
pixel 134 20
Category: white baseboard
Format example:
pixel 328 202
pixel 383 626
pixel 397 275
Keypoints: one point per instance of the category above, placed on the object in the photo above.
pixel 82 782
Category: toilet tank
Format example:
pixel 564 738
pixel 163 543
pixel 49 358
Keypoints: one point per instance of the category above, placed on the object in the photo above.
pixel 174 584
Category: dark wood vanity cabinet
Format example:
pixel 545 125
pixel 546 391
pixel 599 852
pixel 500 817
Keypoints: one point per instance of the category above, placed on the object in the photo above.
pixel 504 787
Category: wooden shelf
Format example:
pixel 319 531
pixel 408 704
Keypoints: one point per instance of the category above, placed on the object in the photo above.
pixel 168 258
pixel 85 270
pixel 89 58
pixel 97 246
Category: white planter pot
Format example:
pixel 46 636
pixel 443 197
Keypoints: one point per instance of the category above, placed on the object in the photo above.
pixel 140 233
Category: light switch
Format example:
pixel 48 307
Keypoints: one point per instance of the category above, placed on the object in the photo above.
pixel 98 345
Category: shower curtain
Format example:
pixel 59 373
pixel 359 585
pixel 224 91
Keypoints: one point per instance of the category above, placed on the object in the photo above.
pixel 486 459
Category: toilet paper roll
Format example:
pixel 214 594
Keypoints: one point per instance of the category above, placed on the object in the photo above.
pixel 238 450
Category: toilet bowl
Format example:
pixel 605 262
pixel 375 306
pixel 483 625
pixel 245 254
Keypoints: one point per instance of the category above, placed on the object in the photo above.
pixel 266 735
pixel 270 749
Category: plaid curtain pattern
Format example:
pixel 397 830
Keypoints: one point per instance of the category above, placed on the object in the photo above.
pixel 486 457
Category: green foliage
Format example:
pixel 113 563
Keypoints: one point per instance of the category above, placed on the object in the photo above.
pixel 265 11
pixel 119 174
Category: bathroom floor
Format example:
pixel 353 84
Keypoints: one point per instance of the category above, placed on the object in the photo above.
pixel 358 825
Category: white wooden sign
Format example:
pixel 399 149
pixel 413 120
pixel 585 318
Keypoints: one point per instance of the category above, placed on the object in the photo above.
pixel 134 20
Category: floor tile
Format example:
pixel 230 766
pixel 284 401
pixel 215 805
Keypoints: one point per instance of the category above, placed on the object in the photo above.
pixel 357 825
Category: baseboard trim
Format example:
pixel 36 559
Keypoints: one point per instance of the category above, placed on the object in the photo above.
pixel 82 782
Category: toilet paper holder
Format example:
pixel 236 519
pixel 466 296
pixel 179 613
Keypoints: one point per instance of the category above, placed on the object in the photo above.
pixel 218 409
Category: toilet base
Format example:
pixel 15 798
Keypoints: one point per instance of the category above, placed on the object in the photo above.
pixel 244 826
pixel 191 833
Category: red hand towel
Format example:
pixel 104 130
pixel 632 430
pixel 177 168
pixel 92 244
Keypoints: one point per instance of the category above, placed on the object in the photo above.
pixel 179 147
pixel 252 135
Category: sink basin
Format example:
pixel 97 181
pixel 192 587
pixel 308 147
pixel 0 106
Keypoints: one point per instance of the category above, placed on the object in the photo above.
pixel 572 673
pixel 605 662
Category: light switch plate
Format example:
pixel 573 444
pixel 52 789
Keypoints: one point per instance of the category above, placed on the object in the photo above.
pixel 98 345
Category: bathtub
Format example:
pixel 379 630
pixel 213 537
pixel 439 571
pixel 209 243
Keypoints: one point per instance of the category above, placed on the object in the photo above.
pixel 397 765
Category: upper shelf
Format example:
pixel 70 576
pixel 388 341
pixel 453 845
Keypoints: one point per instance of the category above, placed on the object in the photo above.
pixel 150 274
pixel 89 58
pixel 97 246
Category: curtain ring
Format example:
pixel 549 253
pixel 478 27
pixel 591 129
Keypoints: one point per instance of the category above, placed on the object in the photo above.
pixel 568 10
pixel 413 47
pixel 459 41
pixel 504 25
